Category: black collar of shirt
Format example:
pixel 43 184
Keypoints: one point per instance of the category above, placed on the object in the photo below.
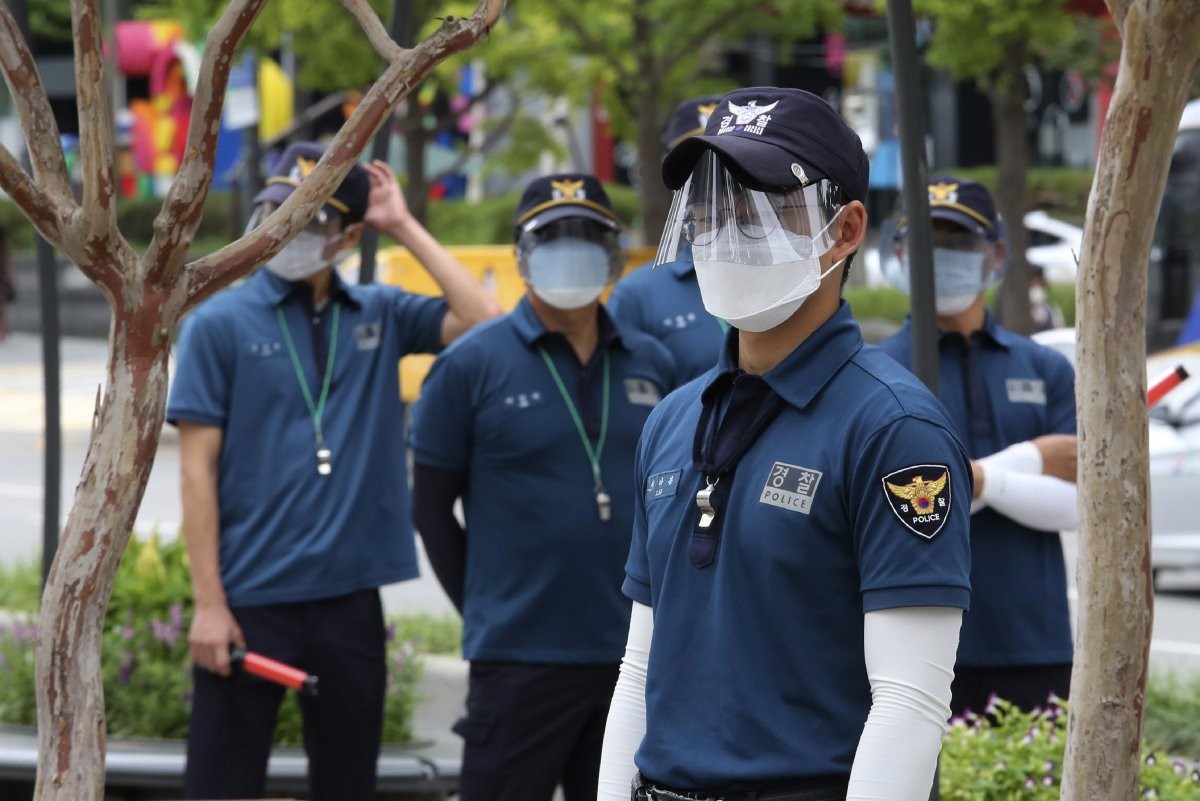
pixel 531 330
pixel 278 290
pixel 805 371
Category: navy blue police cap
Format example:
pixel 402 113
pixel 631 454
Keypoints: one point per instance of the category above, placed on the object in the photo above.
pixel 776 138
pixel 294 165
pixel 964 202
pixel 553 197
pixel 689 119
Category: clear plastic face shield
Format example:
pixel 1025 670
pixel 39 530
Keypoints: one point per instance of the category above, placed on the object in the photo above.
pixel 570 261
pixel 720 219
pixel 965 262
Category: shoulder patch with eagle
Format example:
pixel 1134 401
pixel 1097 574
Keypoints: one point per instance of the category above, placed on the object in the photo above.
pixel 920 496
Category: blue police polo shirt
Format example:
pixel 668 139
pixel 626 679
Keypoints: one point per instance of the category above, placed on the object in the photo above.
pixel 287 533
pixel 543 573
pixel 1001 388
pixel 757 669
pixel 665 303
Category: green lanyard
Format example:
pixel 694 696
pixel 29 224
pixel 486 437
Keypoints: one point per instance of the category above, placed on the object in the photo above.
pixel 603 502
pixel 724 326
pixel 315 410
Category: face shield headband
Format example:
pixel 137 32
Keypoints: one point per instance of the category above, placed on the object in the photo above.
pixel 718 218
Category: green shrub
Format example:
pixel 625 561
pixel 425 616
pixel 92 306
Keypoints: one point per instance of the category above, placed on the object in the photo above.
pixel 1172 714
pixel 146 666
pixel 1061 190
pixel 1009 755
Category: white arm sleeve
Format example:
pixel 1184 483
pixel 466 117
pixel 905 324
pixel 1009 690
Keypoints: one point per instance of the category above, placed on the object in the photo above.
pixel 627 714
pixel 1023 457
pixel 910 663
pixel 1039 501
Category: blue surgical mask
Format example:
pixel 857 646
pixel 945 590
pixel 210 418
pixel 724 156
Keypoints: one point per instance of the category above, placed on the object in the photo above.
pixel 958 279
pixel 568 273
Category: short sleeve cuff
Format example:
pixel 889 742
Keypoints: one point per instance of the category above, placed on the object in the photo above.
pixel 176 416
pixel 636 590
pixel 900 597
pixel 438 461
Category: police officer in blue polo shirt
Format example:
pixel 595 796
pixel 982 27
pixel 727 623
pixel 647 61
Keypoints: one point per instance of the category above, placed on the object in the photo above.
pixel 800 556
pixel 1013 405
pixel 295 502
pixel 665 303
pixel 532 421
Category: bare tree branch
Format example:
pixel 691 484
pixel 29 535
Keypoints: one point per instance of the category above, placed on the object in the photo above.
pixel 210 272
pixel 373 27
pixel 33 109
pixel 99 218
pixel 35 202
pixel 177 223
pixel 1119 9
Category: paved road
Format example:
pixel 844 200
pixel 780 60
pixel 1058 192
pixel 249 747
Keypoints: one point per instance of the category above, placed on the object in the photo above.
pixel 1176 635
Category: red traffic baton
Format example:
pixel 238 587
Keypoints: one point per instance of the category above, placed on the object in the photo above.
pixel 1165 383
pixel 272 670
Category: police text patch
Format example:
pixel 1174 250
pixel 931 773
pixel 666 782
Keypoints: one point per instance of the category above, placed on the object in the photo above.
pixel 662 485
pixel 642 392
pixel 1026 390
pixel 920 497
pixel 790 487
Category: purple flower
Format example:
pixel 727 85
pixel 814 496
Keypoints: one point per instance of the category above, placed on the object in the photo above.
pixel 176 615
pixel 992 704
pixel 1030 784
pixel 126 667
pixel 1151 759
pixel 1179 767
pixel 390 632
pixel 126 632
pixel 1047 781
pixel 165 634
pixel 1049 766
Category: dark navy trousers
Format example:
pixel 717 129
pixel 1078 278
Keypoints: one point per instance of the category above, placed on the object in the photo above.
pixel 532 727
pixel 340 640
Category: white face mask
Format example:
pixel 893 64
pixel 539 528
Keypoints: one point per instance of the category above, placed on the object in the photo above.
pixel 758 297
pixel 301 258
pixel 568 273
pixel 958 279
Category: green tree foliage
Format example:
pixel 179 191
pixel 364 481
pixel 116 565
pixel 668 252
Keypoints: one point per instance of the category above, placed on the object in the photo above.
pixel 639 57
pixel 991 42
pixel 330 50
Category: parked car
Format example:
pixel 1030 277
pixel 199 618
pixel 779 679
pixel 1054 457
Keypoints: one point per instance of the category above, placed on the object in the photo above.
pixel 1174 454
pixel 1054 246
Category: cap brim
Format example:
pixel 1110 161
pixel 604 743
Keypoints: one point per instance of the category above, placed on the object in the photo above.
pixel 279 192
pixel 963 219
pixel 563 211
pixel 754 161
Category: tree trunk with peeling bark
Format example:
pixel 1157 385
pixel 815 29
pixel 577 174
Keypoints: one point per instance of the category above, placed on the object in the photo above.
pixel 148 294
pixel 1159 57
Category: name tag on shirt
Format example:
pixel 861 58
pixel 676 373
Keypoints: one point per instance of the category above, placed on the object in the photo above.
pixel 367 335
pixel 641 392
pixel 662 485
pixel 1026 390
